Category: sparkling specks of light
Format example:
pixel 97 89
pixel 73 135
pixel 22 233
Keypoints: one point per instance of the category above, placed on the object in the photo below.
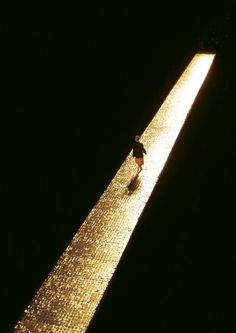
pixel 68 298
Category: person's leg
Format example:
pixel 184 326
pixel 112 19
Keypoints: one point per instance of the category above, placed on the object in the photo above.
pixel 137 162
pixel 140 163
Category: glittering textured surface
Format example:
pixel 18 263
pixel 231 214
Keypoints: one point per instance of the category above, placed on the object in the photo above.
pixel 68 298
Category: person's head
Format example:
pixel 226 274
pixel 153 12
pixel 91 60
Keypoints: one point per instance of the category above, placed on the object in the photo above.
pixel 137 137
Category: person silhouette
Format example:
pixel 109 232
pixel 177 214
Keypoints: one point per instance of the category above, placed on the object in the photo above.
pixel 138 151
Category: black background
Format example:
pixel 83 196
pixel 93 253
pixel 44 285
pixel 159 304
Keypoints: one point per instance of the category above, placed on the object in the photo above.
pixel 79 81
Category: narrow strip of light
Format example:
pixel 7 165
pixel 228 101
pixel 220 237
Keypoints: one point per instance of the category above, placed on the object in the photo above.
pixel 67 300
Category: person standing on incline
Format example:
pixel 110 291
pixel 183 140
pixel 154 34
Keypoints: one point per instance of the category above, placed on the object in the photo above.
pixel 138 151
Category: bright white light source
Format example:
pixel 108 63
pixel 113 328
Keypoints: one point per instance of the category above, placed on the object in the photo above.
pixel 67 300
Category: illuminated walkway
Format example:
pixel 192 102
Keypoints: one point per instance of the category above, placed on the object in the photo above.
pixel 67 300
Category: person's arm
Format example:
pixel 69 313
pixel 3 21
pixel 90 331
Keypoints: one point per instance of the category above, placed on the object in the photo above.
pixel 144 150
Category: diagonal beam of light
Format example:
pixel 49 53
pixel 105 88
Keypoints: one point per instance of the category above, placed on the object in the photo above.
pixel 68 298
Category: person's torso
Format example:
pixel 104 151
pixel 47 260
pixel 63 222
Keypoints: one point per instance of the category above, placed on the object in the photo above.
pixel 137 149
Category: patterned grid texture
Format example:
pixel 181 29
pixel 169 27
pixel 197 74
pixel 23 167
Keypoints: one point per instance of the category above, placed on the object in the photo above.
pixel 68 298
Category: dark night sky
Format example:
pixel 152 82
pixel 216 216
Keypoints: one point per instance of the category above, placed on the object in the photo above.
pixel 79 82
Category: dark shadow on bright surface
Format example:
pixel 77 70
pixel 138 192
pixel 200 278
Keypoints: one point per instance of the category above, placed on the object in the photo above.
pixel 134 184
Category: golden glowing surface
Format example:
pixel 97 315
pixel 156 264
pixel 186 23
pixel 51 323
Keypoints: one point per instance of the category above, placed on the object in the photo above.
pixel 67 300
